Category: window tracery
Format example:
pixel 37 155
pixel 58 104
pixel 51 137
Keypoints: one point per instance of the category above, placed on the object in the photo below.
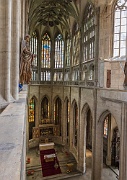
pixel 120 28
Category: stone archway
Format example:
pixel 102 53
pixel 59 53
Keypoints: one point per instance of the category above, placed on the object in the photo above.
pixel 83 136
pixel 104 140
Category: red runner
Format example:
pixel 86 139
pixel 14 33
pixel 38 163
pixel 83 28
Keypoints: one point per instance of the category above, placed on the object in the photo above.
pixel 49 166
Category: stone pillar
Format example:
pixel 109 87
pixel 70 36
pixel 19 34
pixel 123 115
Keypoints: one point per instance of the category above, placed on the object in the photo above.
pixel 15 48
pixel 22 18
pixel 97 143
pixel 108 158
pixel 81 166
pixel 8 5
pixel 123 144
pixel 2 48
pixel 64 122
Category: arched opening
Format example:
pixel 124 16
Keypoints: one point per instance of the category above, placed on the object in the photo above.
pixel 89 130
pixel 45 111
pixel 75 124
pixel 57 113
pixel 88 139
pixel 111 143
pixel 67 120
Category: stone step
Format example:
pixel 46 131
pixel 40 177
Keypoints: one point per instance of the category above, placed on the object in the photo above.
pixel 62 176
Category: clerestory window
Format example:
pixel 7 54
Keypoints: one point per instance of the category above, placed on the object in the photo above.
pixel 120 29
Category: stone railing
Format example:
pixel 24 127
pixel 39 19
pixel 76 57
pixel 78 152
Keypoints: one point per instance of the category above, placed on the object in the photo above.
pixel 13 139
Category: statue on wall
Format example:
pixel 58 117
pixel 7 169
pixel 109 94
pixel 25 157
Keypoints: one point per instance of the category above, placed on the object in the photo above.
pixel 125 72
pixel 26 60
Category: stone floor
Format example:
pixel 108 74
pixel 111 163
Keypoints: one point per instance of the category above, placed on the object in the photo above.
pixel 65 158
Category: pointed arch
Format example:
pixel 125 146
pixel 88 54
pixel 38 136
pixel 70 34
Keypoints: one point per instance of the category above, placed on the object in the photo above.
pixel 31 115
pixel 109 137
pixel 57 112
pixel 45 109
pixel 67 118
pixel 75 122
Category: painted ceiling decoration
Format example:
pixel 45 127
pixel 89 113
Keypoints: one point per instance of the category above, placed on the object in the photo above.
pixel 52 13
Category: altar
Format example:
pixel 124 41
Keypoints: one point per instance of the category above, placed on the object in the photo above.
pixel 46 146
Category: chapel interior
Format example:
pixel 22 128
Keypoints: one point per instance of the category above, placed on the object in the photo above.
pixel 63 89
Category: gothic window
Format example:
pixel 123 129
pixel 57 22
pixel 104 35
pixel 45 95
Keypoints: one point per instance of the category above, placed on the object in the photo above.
pixel 46 76
pixel 59 51
pixel 68 52
pixel 46 51
pixel 84 72
pixel 120 28
pixel 67 116
pixel 45 108
pixel 33 47
pixel 106 126
pixel 58 76
pixel 91 72
pixel 67 75
pixel 75 74
pixel 75 45
pixel 31 116
pixel 57 112
pixel 89 33
pixel 75 123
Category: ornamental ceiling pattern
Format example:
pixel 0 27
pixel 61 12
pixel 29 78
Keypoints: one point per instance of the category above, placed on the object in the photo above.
pixel 52 13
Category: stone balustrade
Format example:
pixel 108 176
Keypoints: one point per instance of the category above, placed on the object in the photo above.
pixel 13 139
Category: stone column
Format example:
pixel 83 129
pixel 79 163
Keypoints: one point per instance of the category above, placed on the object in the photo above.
pixel 8 5
pixel 22 18
pixel 64 122
pixel 123 144
pixel 81 166
pixel 108 158
pixel 97 143
pixel 15 48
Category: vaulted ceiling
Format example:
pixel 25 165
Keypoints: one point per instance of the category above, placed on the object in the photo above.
pixel 52 13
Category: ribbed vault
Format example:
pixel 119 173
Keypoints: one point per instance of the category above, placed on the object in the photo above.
pixel 52 13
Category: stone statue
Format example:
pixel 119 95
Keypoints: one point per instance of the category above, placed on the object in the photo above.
pixel 26 61
pixel 125 72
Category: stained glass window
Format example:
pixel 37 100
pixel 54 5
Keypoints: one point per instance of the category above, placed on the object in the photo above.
pixel 89 33
pixel 106 126
pixel 46 51
pixel 32 110
pixel 120 29
pixel 33 47
pixel 59 51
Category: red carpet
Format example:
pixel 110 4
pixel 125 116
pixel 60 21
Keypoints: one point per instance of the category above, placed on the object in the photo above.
pixel 50 164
